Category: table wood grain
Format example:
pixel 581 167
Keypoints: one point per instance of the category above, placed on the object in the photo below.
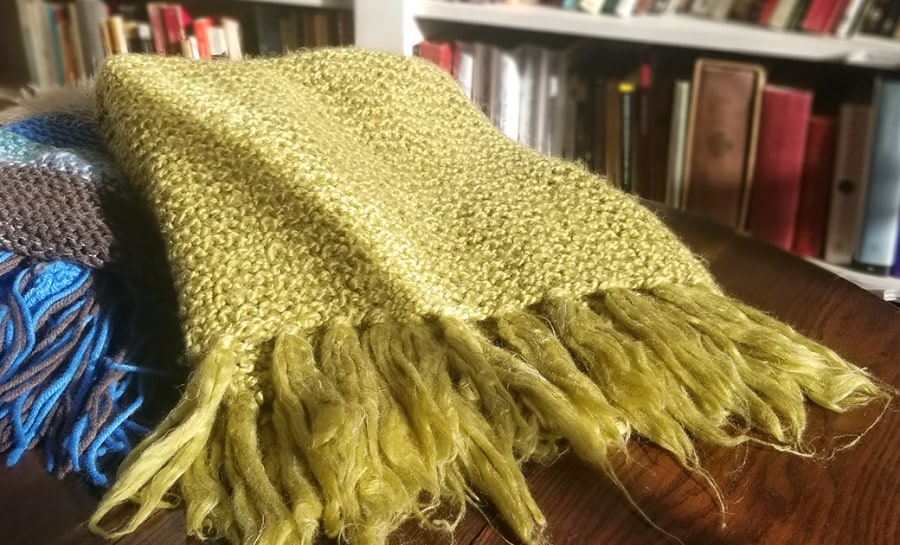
pixel 852 497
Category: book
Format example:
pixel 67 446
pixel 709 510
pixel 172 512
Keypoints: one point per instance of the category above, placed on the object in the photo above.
pixel 530 58
pixel 680 106
pixel 440 53
pixel 783 13
pixel 81 68
pixel 202 26
pixel 848 185
pixel 850 18
pixel 157 25
pixel 626 136
pixel 721 140
pixel 777 178
pixel 881 216
pixel 822 15
pixel 766 12
pixel 173 21
pixel 506 88
pixel 818 171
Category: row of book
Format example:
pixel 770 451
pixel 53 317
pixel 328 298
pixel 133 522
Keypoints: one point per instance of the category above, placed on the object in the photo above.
pixel 65 42
pixel 723 143
pixel 837 17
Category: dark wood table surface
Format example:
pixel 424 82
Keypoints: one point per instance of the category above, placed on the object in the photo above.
pixel 771 497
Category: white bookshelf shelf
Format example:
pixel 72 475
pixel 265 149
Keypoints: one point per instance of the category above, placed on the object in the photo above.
pixel 343 4
pixel 675 30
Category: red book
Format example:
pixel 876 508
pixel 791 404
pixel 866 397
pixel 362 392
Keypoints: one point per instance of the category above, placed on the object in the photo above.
pixel 440 54
pixel 780 150
pixel 822 15
pixel 201 33
pixel 157 27
pixel 818 167
pixel 174 22
pixel 765 14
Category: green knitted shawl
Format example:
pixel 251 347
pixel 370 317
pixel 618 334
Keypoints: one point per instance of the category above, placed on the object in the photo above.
pixel 388 306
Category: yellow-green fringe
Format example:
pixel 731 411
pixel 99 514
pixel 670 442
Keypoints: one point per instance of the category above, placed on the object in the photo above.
pixel 359 428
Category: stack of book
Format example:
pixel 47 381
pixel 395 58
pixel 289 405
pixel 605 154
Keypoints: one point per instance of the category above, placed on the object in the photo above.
pixel 64 42
pixel 726 143
pixel 836 17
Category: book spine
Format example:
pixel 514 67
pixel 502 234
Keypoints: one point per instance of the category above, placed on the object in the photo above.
pixel 848 185
pixel 57 67
pixel 157 26
pixel 812 211
pixel 174 24
pixel 895 268
pixel 202 28
pixel 777 179
pixel 232 29
pixel 625 8
pixel 117 34
pixel 818 17
pixel 680 105
pixel 766 12
pixel 881 218
pixel 76 41
pixel 594 7
pixel 851 15
pixel 626 136
pixel 721 142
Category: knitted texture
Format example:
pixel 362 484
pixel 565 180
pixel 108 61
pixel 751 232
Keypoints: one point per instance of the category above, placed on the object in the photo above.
pixel 76 354
pixel 388 304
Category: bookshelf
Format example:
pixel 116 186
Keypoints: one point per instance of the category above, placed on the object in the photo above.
pixel 674 30
pixel 793 64
pixel 332 4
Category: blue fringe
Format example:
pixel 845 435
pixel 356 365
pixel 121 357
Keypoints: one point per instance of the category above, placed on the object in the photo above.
pixel 68 371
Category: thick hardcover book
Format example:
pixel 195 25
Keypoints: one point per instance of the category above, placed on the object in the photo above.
pixel 818 168
pixel 848 185
pixel 721 139
pixel 881 216
pixel 777 179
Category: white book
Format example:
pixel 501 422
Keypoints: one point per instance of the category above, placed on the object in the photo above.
pixel 541 137
pixel 681 101
pixel 594 7
pixel 505 96
pixel 232 30
pixel 625 8
pixel 481 77
pixel 703 7
pixel 557 94
pixel 530 58
pixel 465 67
pixel 217 45
pixel 851 13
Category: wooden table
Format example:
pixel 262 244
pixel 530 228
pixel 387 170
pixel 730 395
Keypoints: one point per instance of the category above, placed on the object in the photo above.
pixel 771 497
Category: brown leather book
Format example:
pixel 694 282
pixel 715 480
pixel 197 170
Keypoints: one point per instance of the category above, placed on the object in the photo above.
pixel 721 139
